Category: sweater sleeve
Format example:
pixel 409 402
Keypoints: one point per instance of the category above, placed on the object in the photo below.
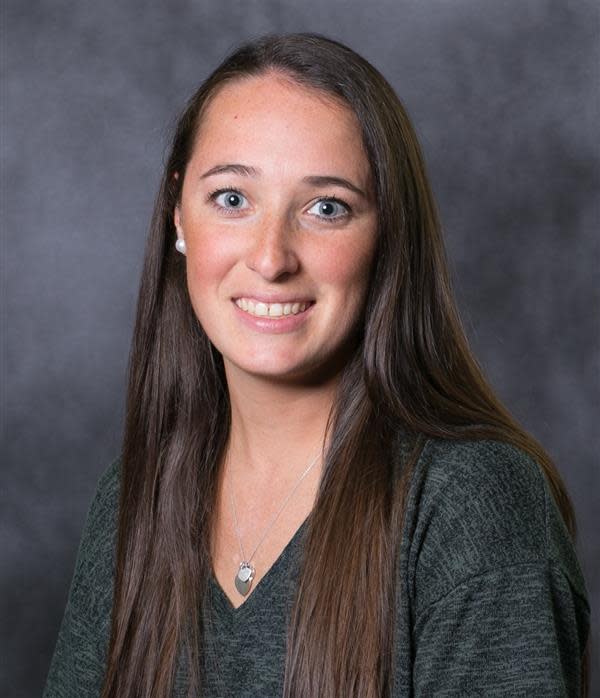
pixel 500 605
pixel 78 663
pixel 511 631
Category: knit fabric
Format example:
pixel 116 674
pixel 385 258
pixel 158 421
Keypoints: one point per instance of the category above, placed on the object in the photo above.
pixel 491 597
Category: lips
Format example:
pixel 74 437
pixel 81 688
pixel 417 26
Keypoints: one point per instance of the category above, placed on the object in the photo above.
pixel 272 298
pixel 271 309
pixel 276 324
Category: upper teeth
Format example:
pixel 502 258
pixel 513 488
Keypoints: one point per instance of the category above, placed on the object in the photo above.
pixel 270 309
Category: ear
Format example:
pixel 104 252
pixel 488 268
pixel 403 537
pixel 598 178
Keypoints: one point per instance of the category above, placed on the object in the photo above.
pixel 177 213
pixel 177 221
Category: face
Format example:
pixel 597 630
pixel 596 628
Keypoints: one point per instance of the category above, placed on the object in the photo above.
pixel 278 217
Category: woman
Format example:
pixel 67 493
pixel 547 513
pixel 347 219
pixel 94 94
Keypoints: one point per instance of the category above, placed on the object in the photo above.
pixel 318 492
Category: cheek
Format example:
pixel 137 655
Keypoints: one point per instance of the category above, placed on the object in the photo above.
pixel 346 267
pixel 205 267
pixel 208 260
pixel 344 276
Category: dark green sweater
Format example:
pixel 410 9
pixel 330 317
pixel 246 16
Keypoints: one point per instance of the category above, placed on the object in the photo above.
pixel 492 600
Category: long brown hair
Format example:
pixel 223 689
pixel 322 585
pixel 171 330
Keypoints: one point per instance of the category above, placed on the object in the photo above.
pixel 411 372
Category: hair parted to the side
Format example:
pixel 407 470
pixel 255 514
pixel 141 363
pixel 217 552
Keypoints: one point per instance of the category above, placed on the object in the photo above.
pixel 412 373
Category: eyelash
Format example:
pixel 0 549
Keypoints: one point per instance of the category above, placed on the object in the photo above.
pixel 232 190
pixel 213 195
pixel 342 203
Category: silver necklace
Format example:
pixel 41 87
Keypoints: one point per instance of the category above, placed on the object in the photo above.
pixel 246 571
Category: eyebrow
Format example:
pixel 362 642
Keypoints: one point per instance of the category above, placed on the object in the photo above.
pixel 314 180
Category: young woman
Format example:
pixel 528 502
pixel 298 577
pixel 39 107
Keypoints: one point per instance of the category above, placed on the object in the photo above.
pixel 318 493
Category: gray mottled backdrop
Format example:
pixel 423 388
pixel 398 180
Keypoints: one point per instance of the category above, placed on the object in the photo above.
pixel 504 96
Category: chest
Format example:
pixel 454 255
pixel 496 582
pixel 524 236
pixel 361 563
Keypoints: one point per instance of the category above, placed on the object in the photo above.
pixel 263 532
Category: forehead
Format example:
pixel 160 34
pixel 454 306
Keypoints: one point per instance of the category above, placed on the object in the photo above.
pixel 271 118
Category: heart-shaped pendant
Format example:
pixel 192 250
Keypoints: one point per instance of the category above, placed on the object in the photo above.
pixel 244 577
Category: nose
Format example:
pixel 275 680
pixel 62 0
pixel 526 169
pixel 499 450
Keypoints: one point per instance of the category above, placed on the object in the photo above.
pixel 273 252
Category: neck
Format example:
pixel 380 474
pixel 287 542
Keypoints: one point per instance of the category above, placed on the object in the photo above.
pixel 277 429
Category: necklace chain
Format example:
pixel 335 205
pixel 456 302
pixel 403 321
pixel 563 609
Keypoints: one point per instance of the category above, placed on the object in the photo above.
pixel 276 515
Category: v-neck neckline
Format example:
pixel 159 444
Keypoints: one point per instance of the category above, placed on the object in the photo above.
pixel 264 584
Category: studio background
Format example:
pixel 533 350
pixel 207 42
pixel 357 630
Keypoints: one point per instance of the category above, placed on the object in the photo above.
pixel 504 97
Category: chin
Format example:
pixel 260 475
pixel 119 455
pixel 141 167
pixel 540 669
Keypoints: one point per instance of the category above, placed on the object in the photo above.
pixel 270 368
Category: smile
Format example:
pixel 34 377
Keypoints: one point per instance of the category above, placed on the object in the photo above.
pixel 271 310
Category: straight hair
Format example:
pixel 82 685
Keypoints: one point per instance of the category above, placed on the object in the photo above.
pixel 411 373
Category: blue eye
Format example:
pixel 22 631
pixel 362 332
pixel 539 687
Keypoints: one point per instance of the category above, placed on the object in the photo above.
pixel 331 209
pixel 227 199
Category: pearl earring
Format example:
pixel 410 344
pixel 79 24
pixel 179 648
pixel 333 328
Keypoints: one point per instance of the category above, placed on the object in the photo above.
pixel 180 245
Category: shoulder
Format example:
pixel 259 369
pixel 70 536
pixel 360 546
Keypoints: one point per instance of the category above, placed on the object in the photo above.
pixel 80 652
pixel 448 463
pixel 102 513
pixel 489 484
pixel 106 495
pixel 95 564
pixel 476 506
